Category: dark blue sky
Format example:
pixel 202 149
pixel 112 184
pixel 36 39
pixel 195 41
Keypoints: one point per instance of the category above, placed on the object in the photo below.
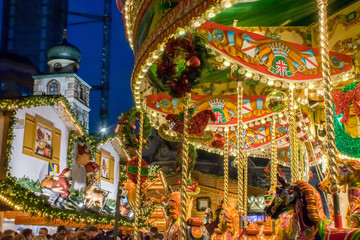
pixel 88 38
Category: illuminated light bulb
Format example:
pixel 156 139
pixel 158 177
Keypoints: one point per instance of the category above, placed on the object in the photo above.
pixel 196 24
pixel 245 126
pixel 270 82
pixel 226 64
pixel 248 74
pixel 263 121
pixel 292 86
pixel 155 56
pixel 227 5
pixel 277 84
pixel 211 15
pixel 263 80
pixel 181 31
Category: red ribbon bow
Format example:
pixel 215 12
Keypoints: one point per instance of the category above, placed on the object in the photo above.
pixel 343 100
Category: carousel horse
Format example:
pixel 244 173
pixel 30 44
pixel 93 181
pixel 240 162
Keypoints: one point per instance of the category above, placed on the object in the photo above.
pixel 195 228
pixel 349 175
pixel 228 228
pixel 308 213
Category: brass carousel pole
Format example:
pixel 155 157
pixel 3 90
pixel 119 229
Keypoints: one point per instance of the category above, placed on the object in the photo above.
pixel 138 184
pixel 226 167
pixel 302 161
pixel 184 164
pixel 245 205
pixel 293 139
pixel 329 118
pixel 273 172
pixel 240 153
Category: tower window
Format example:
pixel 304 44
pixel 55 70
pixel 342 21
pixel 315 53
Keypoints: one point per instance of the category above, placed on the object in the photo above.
pixel 53 87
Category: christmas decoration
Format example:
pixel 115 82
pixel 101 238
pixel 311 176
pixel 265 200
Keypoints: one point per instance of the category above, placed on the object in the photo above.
pixel 128 127
pixel 182 64
pixel 277 101
pixel 132 169
pixel 197 124
pixel 342 101
pixel 219 141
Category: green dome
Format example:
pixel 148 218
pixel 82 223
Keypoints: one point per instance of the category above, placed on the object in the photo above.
pixel 64 50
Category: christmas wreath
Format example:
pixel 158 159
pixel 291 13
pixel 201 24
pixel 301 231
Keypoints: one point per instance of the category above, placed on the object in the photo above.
pixel 128 128
pixel 182 63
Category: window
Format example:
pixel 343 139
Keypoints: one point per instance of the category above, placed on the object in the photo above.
pixel 41 139
pixel 53 87
pixel 106 163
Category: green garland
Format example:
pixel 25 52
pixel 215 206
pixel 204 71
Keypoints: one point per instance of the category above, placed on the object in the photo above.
pixel 344 142
pixel 36 101
pixel 127 122
pixel 35 205
pixel 21 192
pixel 9 142
pixel 70 153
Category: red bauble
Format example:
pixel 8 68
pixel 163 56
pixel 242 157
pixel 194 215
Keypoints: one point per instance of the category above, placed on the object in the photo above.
pixel 194 62
pixel 219 141
pixel 136 140
pixel 126 121
pixel 133 127
pixel 144 141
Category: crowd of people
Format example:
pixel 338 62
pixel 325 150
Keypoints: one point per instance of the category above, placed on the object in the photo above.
pixel 86 233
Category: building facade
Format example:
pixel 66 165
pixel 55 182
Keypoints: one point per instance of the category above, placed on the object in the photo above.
pixel 31 27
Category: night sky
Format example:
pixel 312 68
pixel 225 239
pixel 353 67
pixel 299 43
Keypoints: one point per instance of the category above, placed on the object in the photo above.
pixel 88 38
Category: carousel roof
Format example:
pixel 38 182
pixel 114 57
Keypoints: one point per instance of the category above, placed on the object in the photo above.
pixel 256 12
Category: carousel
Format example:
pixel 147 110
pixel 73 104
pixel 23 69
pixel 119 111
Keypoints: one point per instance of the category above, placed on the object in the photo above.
pixel 270 79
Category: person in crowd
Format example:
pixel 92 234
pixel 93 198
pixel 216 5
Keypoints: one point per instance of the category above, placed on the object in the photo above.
pixel 61 236
pixel 40 237
pixel 93 233
pixel 27 233
pixel 19 237
pixel 45 231
pixel 61 229
pixel 101 231
pixel 81 235
pixel 6 237
pixel 71 234
pixel 9 232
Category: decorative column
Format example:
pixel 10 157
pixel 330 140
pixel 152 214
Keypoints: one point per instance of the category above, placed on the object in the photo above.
pixel 293 138
pixel 184 164
pixel 245 190
pixel 240 153
pixel 329 118
pixel 138 183
pixel 226 167
pixel 273 172
pixel 302 161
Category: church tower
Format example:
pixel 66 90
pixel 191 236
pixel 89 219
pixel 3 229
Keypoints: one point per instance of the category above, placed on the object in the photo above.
pixel 63 62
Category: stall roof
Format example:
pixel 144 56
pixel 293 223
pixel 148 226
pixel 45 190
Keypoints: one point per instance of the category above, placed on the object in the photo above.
pixel 276 12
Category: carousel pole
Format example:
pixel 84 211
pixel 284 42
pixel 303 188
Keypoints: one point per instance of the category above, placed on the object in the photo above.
pixel 302 161
pixel 226 167
pixel 329 118
pixel 293 139
pixel 184 164
pixel 273 172
pixel 245 205
pixel 240 153
pixel 138 183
